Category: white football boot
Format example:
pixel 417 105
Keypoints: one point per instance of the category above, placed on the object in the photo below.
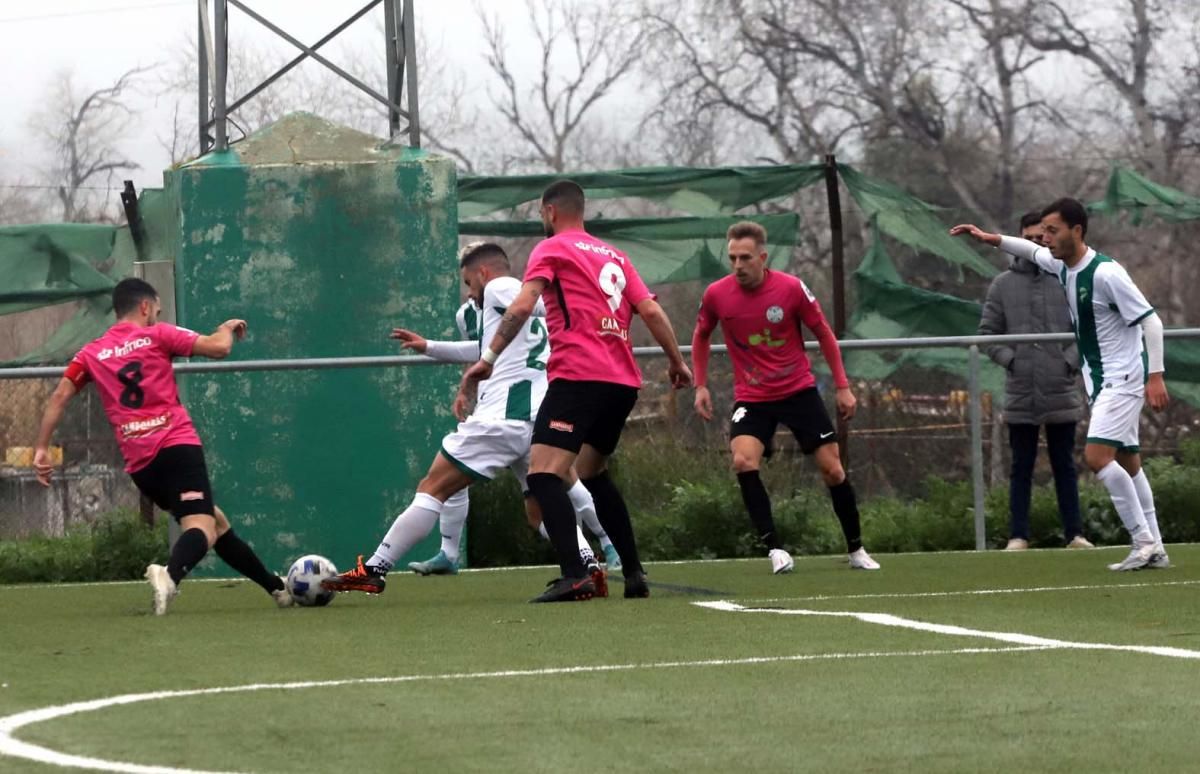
pixel 781 562
pixel 861 560
pixel 1160 560
pixel 164 587
pixel 1138 558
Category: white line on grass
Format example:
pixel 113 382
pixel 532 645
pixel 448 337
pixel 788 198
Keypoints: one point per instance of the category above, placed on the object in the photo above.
pixel 886 619
pixel 976 592
pixel 13 747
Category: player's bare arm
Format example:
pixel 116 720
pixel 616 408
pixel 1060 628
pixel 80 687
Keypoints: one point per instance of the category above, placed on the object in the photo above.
pixel 50 419
pixel 409 340
pixel 976 233
pixel 659 325
pixel 219 343
pixel 701 349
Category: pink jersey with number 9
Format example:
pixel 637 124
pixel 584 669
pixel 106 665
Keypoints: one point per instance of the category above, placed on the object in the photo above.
pixel 592 291
pixel 131 366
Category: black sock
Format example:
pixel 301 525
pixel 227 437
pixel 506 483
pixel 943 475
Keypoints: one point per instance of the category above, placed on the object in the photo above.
pixel 614 517
pixel 758 504
pixel 237 554
pixel 845 505
pixel 558 515
pixel 189 549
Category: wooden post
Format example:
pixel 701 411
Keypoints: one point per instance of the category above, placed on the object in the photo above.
pixel 839 281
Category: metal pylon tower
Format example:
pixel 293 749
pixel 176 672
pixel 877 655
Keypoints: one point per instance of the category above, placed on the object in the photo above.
pixel 213 59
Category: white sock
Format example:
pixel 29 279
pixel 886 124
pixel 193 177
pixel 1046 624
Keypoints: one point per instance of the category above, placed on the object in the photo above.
pixel 585 550
pixel 1125 499
pixel 585 511
pixel 454 516
pixel 1146 500
pixel 542 531
pixel 409 528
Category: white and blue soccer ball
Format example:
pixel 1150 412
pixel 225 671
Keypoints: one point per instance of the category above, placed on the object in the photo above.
pixel 304 580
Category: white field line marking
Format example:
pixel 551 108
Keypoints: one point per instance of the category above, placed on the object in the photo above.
pixel 976 592
pixel 10 724
pixel 886 619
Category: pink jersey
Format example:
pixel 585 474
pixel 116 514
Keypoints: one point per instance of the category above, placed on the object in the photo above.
pixel 762 332
pixel 131 366
pixel 593 289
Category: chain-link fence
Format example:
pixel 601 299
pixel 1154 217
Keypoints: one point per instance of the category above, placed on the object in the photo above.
pixel 914 424
pixel 92 481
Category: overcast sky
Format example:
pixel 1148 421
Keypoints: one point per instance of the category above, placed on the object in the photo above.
pixel 100 39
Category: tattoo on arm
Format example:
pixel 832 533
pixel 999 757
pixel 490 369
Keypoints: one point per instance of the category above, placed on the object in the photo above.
pixel 509 326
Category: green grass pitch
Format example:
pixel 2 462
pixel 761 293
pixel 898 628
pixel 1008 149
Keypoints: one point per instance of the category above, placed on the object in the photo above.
pixel 475 679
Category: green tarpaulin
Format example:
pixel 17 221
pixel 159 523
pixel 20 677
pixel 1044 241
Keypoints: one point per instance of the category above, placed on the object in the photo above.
pixel 665 250
pixel 695 191
pixel 1131 193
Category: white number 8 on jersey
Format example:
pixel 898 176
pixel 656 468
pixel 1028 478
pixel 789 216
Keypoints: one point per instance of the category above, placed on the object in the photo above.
pixel 612 282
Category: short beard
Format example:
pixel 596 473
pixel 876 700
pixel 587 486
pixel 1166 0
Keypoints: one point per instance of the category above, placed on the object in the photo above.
pixel 549 229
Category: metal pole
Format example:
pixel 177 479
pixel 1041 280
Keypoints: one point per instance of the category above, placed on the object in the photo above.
pixel 221 44
pixel 410 59
pixel 202 79
pixel 975 402
pixel 393 75
pixel 839 283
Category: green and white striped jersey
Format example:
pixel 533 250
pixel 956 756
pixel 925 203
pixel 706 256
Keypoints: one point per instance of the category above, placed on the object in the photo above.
pixel 469 321
pixel 1106 307
pixel 518 381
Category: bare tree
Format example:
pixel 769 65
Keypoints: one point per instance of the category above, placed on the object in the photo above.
pixel 1125 57
pixel 83 132
pixel 584 51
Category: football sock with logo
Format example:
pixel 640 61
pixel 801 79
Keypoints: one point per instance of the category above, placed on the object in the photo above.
pixel 236 553
pixel 558 517
pixel 189 549
pixel 758 505
pixel 409 528
pixel 585 508
pixel 845 506
pixel 586 555
pixel 454 516
pixel 614 516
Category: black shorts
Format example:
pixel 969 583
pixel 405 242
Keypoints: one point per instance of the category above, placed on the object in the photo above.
pixel 177 481
pixel 575 413
pixel 803 413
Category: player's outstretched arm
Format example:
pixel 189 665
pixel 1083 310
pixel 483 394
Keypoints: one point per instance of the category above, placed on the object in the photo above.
pixel 660 328
pixel 218 344
pixel 976 233
pixel 444 351
pixel 50 418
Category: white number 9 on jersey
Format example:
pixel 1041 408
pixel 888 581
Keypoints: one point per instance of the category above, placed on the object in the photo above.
pixel 612 282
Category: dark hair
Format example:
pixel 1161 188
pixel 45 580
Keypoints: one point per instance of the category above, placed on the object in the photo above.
pixel 129 293
pixel 747 228
pixel 1031 218
pixel 1070 210
pixel 566 195
pixel 478 252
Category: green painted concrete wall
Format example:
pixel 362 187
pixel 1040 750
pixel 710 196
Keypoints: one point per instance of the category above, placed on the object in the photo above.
pixel 322 258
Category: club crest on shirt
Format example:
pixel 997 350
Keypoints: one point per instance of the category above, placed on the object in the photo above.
pixel 775 314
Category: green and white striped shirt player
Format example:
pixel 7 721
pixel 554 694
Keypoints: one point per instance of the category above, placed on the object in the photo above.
pixel 469 321
pixel 1106 307
pixel 518 381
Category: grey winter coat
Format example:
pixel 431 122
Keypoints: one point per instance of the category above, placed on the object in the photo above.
pixel 1043 385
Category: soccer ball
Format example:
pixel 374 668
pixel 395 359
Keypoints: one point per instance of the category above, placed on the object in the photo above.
pixel 304 580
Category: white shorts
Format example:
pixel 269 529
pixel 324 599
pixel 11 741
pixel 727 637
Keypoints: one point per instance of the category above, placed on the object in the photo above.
pixel 1115 420
pixel 481 448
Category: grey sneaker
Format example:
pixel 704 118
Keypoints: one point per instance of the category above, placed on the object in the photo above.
pixel 164 587
pixel 1079 541
pixel 1017 544
pixel 1138 558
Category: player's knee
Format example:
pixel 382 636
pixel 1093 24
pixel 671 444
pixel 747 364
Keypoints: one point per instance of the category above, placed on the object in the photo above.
pixel 833 474
pixel 1097 458
pixel 745 463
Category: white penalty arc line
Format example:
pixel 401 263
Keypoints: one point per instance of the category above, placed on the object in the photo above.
pixel 886 619
pixel 12 747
